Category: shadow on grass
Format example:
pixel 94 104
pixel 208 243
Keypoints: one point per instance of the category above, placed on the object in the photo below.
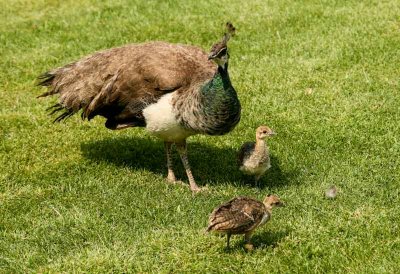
pixel 209 164
pixel 267 238
pixel 260 240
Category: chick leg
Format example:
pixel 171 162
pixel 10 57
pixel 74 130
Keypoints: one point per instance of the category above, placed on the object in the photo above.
pixel 171 175
pixel 256 180
pixel 182 149
pixel 248 246
pixel 228 237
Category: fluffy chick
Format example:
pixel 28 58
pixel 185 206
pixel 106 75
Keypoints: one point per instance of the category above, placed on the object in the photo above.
pixel 253 157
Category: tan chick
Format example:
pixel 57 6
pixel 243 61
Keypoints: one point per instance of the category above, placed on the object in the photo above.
pixel 253 157
pixel 242 215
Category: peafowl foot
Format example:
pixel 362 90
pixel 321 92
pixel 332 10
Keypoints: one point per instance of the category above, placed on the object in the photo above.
pixel 171 178
pixel 196 189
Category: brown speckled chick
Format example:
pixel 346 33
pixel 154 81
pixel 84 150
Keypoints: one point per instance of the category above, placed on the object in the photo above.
pixel 253 157
pixel 242 215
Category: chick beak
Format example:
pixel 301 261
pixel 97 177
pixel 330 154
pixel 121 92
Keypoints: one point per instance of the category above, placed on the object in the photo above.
pixel 272 133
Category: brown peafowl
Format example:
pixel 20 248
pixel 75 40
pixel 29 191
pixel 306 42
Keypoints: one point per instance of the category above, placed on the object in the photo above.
pixel 242 215
pixel 173 90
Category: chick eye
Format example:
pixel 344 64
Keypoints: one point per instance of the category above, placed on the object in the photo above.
pixel 264 131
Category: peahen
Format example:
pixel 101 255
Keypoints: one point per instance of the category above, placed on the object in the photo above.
pixel 173 90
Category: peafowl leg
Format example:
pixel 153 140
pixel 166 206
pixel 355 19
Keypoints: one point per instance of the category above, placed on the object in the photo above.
pixel 182 149
pixel 168 149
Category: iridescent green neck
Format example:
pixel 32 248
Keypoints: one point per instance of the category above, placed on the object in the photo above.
pixel 219 84
pixel 220 103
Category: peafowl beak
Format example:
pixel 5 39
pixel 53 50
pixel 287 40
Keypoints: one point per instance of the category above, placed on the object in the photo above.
pixel 281 204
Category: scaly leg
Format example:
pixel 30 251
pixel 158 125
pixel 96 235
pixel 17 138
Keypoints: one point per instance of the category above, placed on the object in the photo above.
pixel 171 176
pixel 181 147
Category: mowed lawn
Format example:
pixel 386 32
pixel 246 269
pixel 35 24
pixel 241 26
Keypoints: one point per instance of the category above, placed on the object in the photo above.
pixel 77 197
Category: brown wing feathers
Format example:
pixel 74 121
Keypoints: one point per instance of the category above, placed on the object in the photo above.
pixel 245 151
pixel 118 83
pixel 236 216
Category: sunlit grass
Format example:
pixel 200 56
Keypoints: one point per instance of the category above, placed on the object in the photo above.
pixel 76 197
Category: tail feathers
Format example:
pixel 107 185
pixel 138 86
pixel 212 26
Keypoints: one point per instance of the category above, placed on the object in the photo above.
pixel 45 80
pixel 65 115
pixel 58 107
pixel 55 108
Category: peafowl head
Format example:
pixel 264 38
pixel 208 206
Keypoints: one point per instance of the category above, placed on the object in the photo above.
pixel 219 51
pixel 272 200
pixel 263 132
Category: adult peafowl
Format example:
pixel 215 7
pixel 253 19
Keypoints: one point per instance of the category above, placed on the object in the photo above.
pixel 172 90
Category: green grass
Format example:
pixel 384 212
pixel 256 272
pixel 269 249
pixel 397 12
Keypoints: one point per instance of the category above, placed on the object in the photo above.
pixel 76 197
